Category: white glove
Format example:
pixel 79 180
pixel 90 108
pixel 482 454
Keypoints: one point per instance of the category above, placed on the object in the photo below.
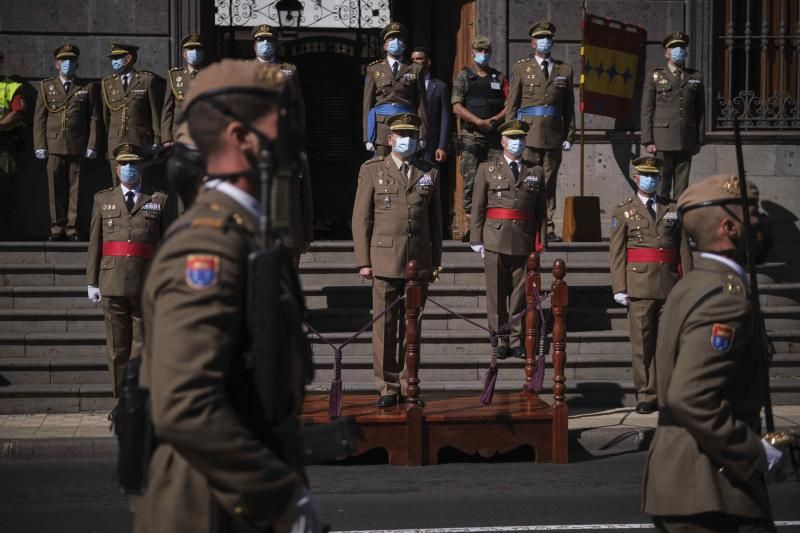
pixel 774 455
pixel 307 519
pixel 566 146
pixel 41 154
pixel 90 154
pixel 622 298
pixel 370 147
pixel 94 294
pixel 478 248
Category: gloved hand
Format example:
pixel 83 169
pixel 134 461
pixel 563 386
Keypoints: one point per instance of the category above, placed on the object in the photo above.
pixel 90 154
pixel 370 147
pixel 566 146
pixel 41 154
pixel 478 248
pixel 307 519
pixel 622 298
pixel 776 459
pixel 94 294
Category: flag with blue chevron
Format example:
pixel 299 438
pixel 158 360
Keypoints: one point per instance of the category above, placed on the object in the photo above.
pixel 611 57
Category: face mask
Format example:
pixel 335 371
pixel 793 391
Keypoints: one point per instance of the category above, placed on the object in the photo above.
pixel 129 174
pixel 118 65
pixel 67 67
pixel 265 49
pixel 678 55
pixel 544 45
pixel 396 47
pixel 648 184
pixel 481 58
pixel 404 146
pixel 515 146
pixel 194 56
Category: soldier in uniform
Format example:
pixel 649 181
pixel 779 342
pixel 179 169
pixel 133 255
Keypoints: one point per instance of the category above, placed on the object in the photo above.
pixel 131 104
pixel 392 87
pixel 178 80
pixel 478 100
pixel 397 217
pixel 128 221
pixel 648 252
pixel 64 130
pixel 673 110
pixel 706 467
pixel 219 464
pixel 541 94
pixel 508 222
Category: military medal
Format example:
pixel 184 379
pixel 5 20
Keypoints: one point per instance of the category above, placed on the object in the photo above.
pixel 387 203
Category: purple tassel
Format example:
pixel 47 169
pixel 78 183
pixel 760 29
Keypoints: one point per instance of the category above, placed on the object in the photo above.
pixel 335 399
pixel 537 383
pixel 491 376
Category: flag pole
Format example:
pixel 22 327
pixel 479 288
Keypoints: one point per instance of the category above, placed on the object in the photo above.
pixel 582 78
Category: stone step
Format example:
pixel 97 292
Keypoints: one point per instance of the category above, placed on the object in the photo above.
pixel 13 275
pixel 89 320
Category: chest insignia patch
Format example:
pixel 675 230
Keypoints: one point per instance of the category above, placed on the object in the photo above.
pixel 152 206
pixel 721 337
pixel 425 181
pixel 202 271
pixel 671 215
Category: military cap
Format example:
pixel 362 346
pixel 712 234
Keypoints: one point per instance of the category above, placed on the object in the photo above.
pixel 128 152
pixel 192 41
pixel 677 38
pixel 481 41
pixel 118 49
pixel 404 122
pixel 514 127
pixel 393 28
pixel 543 28
pixel 648 165
pixel 722 189
pixel 67 51
pixel 263 31
pixel 235 75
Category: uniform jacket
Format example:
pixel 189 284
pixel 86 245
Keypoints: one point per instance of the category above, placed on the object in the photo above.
pixel 140 107
pixel 396 220
pixel 66 124
pixel 633 227
pixel 195 333
pixel 111 222
pixel 528 87
pixel 495 186
pixel 673 112
pixel 706 455
pixel 439 118
pixel 178 80
pixel 381 88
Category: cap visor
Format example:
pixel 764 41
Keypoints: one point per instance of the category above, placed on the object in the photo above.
pixel 129 157
pixel 542 33
pixel 648 169
pixel 404 128
pixel 509 133
pixel 675 42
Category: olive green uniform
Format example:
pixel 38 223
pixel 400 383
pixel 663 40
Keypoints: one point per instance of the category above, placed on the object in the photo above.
pixel 673 114
pixel 507 243
pixel 396 218
pixel 178 80
pixel 65 124
pixel 121 278
pixel 529 87
pixel 646 284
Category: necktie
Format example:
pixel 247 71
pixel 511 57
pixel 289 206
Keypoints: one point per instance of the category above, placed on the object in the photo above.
pixel 67 86
pixel 515 169
pixel 545 70
pixel 404 167
pixel 125 83
pixel 129 201
pixel 395 68
pixel 650 208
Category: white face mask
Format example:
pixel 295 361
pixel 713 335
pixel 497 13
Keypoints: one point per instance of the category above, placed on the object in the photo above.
pixel 515 146
pixel 544 45
pixel 404 146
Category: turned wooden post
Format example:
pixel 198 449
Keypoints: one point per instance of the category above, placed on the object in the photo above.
pixel 533 280
pixel 559 300
pixel 413 304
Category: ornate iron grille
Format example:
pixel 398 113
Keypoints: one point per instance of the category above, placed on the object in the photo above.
pixel 339 14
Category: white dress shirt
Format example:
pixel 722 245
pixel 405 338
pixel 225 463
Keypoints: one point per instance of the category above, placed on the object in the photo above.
pixel 237 195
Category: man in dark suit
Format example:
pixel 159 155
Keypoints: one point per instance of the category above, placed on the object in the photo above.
pixel 439 120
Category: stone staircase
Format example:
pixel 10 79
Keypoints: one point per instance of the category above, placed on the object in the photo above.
pixel 52 345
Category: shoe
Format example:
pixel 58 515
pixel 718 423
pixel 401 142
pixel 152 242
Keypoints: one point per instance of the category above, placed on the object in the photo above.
pixel 552 237
pixel 645 408
pixel 74 238
pixel 518 352
pixel 503 352
pixel 54 238
pixel 390 400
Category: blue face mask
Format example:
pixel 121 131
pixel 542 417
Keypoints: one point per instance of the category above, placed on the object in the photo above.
pixel 515 146
pixel 481 58
pixel 544 45
pixel 396 47
pixel 118 64
pixel 678 54
pixel 265 49
pixel 194 56
pixel 404 146
pixel 129 174
pixel 68 67
pixel 648 184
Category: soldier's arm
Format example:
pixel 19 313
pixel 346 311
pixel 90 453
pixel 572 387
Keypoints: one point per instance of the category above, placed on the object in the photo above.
pixel 514 94
pixel 94 117
pixel 155 108
pixel 168 114
pixel 695 394
pixel 618 251
pixel 541 214
pixel 368 102
pixel 460 85
pixel 307 202
pixel 194 338
pixel 685 251
pixel 95 249
pixel 569 110
pixel 106 110
pixel 363 218
pixel 480 200
pixel 422 105
pixel 40 121
pixel 301 102
pixel 435 223
pixel 700 109
pixel 648 108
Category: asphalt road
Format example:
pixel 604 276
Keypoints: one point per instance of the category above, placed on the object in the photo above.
pixel 81 497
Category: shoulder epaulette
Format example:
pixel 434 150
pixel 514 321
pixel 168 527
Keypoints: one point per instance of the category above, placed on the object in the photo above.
pixel 203 222
pixel 376 62
pixel 524 60
pixel 176 69
pixel 288 66
pixel 629 200
pixel 657 68
pixel 111 77
pixel 375 159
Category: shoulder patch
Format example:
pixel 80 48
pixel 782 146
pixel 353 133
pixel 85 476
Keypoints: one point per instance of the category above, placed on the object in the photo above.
pixel 721 337
pixel 202 271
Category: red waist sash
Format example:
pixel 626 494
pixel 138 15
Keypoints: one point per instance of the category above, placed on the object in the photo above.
pixel 502 213
pixel 652 255
pixel 129 249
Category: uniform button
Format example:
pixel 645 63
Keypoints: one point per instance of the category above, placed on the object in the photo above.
pixel 238 509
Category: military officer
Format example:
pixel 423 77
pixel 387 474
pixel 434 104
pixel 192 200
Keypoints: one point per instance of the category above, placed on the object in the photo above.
pixel 673 110
pixel 706 464
pixel 541 94
pixel 478 100
pixel 127 224
pixel 220 465
pixel 131 104
pixel 397 217
pixel 508 222
pixel 64 130
pixel 178 80
pixel 648 252
pixel 392 87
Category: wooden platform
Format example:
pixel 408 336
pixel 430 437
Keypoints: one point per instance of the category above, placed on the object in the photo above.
pixel 413 435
